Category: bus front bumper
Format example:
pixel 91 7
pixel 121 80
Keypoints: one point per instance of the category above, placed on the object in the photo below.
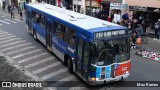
pixel 108 80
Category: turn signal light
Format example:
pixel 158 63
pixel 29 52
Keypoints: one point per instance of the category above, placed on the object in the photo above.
pixel 93 79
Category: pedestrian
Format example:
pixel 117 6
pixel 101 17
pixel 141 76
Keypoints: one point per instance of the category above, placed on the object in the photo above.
pixel 21 15
pixel 18 8
pixel 3 5
pixel 9 8
pixel 156 31
pixel 140 30
pixel 12 11
pixel 117 17
pixel 158 28
pixel 134 38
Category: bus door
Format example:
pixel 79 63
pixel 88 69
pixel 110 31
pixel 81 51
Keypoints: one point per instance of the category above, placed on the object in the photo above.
pixel 48 35
pixel 82 58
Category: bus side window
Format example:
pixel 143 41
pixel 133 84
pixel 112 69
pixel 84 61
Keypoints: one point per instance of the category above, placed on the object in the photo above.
pixel 69 36
pixel 42 21
pixel 72 40
pixel 86 54
pixel 33 16
pixel 37 18
pixel 58 30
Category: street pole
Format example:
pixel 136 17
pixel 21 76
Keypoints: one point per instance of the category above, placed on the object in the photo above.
pixel 90 7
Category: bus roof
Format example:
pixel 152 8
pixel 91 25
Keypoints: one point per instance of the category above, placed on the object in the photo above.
pixel 86 22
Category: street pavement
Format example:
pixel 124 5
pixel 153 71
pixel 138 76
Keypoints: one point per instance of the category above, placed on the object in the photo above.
pixel 30 56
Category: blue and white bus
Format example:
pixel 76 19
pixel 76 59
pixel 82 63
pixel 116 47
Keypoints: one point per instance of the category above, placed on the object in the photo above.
pixel 96 50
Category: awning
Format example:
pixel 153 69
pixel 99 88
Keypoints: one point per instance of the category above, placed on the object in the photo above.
pixel 112 1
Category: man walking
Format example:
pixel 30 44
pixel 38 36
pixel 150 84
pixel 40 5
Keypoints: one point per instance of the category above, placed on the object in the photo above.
pixel 21 15
pixel 12 10
pixel 156 31
pixel 158 23
pixel 9 8
pixel 3 5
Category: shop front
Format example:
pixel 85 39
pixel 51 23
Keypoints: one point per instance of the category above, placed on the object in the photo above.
pixel 147 16
pixel 92 7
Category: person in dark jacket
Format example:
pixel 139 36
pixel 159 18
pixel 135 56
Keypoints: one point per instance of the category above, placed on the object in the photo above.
pixel 158 23
pixel 21 15
pixel 3 5
pixel 9 8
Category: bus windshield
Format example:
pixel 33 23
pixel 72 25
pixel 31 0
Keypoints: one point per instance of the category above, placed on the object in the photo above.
pixel 111 51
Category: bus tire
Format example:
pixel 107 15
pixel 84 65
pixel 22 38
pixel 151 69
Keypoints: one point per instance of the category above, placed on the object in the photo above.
pixel 34 34
pixel 70 65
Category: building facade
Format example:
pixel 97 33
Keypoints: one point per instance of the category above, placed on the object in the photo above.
pixel 143 3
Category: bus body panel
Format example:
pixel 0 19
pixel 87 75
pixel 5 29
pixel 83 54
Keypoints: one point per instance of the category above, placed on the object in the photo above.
pixel 122 68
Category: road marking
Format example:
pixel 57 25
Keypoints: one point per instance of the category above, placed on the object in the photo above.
pixel 17 20
pixel 32 57
pixel 27 53
pixel 13 39
pixel 2 16
pixel 78 87
pixel 106 88
pixel 5 35
pixel 39 62
pixel 62 81
pixel 46 67
pixel 0 24
pixel 3 32
pixel 10 20
pixel 15 46
pixel 19 50
pixel 4 22
pixel 12 43
pixel 54 73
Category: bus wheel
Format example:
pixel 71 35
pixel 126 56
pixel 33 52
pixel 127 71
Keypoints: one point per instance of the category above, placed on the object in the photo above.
pixel 70 65
pixel 34 34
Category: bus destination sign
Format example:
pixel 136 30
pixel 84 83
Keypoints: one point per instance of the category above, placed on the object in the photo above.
pixel 109 34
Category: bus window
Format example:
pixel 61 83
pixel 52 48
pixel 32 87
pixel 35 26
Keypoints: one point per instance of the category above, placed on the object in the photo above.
pixel 86 54
pixel 33 16
pixel 42 21
pixel 69 36
pixel 80 47
pixel 37 18
pixel 58 30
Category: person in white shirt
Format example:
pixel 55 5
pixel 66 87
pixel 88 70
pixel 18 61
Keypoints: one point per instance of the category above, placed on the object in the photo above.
pixel 117 18
pixel 156 31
